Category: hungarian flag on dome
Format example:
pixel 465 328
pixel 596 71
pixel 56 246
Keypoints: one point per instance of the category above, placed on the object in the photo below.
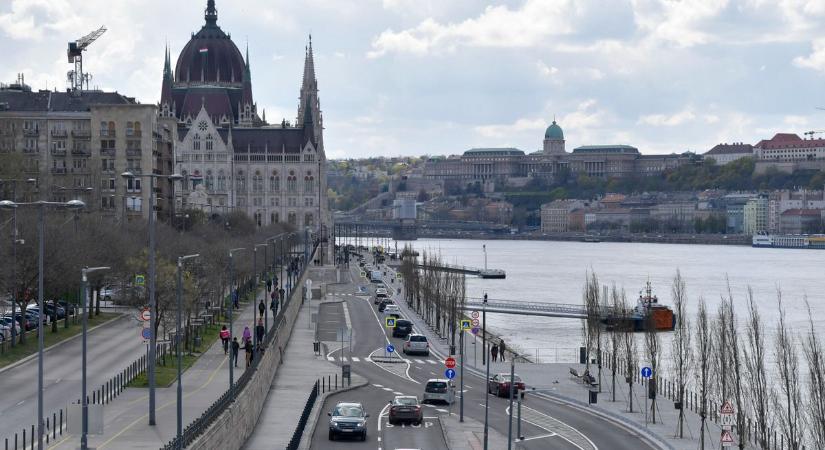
pixel 203 50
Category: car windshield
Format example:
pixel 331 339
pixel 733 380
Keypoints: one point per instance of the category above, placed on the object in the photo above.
pixel 406 401
pixel 347 411
pixel 402 323
pixel 436 386
pixel 506 378
pixel 418 338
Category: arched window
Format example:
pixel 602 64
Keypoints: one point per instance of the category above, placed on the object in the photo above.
pixel 208 142
pixel 292 218
pixel 111 129
pixel 309 183
pixel 130 129
pixel 240 182
pixel 257 182
pixel 221 181
pixel 308 219
pixel 196 142
pixel 273 218
pixel 274 182
pixel 292 182
pixel 209 180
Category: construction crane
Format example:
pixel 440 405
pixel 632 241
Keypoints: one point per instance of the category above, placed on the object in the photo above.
pixel 811 133
pixel 75 55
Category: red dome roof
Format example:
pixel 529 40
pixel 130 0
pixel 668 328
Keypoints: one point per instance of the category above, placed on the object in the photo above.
pixel 210 56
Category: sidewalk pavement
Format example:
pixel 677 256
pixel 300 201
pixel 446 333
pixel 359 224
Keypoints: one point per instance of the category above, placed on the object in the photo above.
pixel 555 380
pixel 468 435
pixel 300 368
pixel 126 419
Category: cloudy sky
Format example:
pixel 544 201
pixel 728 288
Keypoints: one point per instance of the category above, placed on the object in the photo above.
pixel 411 77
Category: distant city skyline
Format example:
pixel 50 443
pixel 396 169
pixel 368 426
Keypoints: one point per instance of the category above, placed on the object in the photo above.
pixel 403 77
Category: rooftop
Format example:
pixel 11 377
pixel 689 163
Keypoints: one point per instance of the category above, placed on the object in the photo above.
pixel 730 149
pixel 55 101
pixel 606 149
pixel 508 151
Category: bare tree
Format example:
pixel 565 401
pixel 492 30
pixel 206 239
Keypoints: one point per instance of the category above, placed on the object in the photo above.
pixel 814 352
pixel 704 346
pixel 788 402
pixel 591 327
pixel 617 303
pixel 629 350
pixel 682 351
pixel 735 369
pixel 758 386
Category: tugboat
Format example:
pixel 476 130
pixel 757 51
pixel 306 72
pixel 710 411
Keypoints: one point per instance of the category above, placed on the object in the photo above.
pixel 647 313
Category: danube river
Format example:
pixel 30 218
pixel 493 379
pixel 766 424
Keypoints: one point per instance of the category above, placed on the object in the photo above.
pixel 550 271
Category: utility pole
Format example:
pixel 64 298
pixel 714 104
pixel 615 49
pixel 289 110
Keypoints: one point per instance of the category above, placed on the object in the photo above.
pixel 487 378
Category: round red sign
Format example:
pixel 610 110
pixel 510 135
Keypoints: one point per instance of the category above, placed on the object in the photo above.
pixel 449 362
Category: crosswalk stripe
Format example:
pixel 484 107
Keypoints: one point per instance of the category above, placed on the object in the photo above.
pixel 343 359
pixel 419 361
pixel 331 358
pixel 431 361
pixel 355 359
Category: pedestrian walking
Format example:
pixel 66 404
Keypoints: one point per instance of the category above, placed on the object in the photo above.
pixel 261 308
pixel 274 307
pixel 268 285
pixel 225 339
pixel 248 348
pixel 494 352
pixel 501 349
pixel 235 348
pixel 235 298
pixel 259 331
pixel 281 293
pixel 247 334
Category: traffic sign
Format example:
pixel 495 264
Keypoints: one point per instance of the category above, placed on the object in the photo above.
pixel 140 280
pixel 390 322
pixel 466 324
pixel 474 314
pixel 727 408
pixel 475 322
pixel 145 315
pixel 727 438
pixel 390 348
pixel 363 274
pixel 146 333
pixel 726 416
pixel 449 373
pixel 449 362
pixel 475 330
pixel 647 372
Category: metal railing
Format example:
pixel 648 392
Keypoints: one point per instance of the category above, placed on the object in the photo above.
pixel 302 421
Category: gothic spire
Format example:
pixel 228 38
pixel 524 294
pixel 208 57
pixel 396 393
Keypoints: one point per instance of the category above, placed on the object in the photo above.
pixel 248 73
pixel 167 64
pixel 309 81
pixel 211 14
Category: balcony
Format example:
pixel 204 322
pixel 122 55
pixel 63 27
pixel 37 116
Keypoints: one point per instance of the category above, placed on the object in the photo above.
pixel 31 132
pixel 81 152
pixel 133 152
pixel 59 170
pixel 84 134
pixel 107 152
pixel 108 134
pixel 30 150
pixel 56 152
pixel 60 133
pixel 133 133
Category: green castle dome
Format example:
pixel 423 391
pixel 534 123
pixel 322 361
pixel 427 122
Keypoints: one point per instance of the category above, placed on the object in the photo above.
pixel 554 132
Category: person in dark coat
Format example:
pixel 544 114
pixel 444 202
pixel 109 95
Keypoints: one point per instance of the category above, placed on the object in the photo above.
pixel 248 347
pixel 268 285
pixel 259 330
pixel 501 349
pixel 261 308
pixel 235 349
pixel 494 352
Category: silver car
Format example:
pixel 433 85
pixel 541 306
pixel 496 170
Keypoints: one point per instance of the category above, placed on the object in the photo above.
pixel 416 343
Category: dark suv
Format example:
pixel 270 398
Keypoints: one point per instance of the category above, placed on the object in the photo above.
pixel 403 328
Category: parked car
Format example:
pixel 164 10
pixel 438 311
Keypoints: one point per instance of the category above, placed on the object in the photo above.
pixel 439 390
pixel 70 308
pixel 416 343
pixel 35 311
pixel 348 419
pixel 403 328
pixel 30 319
pixel 499 384
pixel 7 321
pixel 51 311
pixel 405 408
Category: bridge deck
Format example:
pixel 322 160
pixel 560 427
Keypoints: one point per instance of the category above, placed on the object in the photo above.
pixel 570 311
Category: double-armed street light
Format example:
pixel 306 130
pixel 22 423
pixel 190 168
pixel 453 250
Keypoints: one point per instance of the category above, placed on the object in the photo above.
pixel 152 303
pixel 181 259
pixel 41 207
pixel 84 281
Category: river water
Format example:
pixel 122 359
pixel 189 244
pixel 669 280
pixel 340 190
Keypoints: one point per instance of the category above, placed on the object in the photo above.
pixel 550 271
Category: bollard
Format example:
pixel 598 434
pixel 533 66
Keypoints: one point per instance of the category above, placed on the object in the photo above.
pixel 46 430
pixel 24 439
pixel 61 421
pixel 336 381
pixel 54 425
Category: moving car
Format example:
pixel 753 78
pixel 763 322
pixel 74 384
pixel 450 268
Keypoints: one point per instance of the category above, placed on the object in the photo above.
pixel 348 419
pixel 403 328
pixel 384 303
pixel 416 343
pixel 392 310
pixel 405 408
pixel 499 384
pixel 439 390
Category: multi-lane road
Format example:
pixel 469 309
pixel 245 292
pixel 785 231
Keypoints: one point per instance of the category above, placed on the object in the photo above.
pixel 547 424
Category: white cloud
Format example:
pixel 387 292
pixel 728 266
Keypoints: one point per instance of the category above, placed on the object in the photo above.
pixel 546 70
pixel 508 130
pixel 816 59
pixel 659 120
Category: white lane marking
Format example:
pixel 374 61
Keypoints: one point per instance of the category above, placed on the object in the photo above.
pixel 331 358
pixel 441 410
pixel 387 389
pixel 542 436
pixel 544 427
pixel 21 402
pixel 333 351
pixel 343 359
pixel 398 393
pixel 346 316
pixel 380 415
pixel 355 359
pixel 431 361
pixel 419 361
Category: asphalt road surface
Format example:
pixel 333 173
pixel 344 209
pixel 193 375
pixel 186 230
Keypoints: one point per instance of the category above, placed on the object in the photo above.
pixel 547 424
pixel 109 349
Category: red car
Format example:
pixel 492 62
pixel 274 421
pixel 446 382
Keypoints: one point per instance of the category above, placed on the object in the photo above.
pixel 499 384
pixel 405 408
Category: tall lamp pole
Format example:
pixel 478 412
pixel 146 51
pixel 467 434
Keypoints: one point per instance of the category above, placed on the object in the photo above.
pixel 231 307
pixel 41 207
pixel 152 301
pixel 181 259
pixel 487 378
pixel 84 282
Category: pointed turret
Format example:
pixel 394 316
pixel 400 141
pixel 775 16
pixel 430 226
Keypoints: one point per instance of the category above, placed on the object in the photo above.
pixel 211 13
pixel 166 107
pixel 309 86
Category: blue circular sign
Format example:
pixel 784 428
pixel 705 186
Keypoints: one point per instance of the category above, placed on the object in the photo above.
pixel 390 348
pixel 647 372
pixel 146 333
pixel 449 373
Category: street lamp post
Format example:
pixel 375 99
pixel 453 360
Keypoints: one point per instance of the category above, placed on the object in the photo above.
pixel 41 207
pixel 181 259
pixel 84 281
pixel 231 307
pixel 487 378
pixel 152 300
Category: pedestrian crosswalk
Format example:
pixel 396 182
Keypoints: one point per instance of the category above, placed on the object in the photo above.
pixel 355 359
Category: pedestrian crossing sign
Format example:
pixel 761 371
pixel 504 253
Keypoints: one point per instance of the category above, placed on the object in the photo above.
pixel 140 280
pixel 390 322
pixel 466 324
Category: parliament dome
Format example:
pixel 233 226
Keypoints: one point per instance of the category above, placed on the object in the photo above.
pixel 554 132
pixel 210 55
